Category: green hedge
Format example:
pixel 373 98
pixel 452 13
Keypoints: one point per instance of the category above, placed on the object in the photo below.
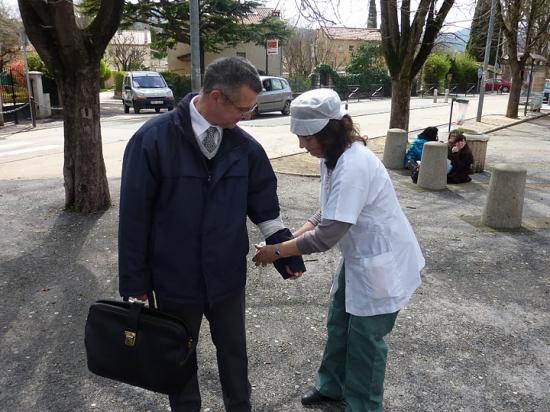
pixel 119 78
pixel 368 81
pixel 179 83
pixel 435 70
pixel 464 70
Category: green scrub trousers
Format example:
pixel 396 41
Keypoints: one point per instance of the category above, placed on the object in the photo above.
pixel 354 360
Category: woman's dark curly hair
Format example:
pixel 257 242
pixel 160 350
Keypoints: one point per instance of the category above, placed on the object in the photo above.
pixel 336 137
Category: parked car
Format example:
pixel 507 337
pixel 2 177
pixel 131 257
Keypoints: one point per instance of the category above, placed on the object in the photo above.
pixel 498 85
pixel 546 92
pixel 275 96
pixel 146 90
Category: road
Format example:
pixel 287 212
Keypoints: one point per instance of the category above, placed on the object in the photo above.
pixel 38 153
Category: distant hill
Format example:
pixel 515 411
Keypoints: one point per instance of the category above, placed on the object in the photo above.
pixel 455 41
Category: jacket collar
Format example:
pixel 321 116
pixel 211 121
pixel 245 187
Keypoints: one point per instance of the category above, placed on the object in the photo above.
pixel 182 118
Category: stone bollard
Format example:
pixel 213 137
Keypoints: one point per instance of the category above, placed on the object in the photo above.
pixel 446 95
pixel 504 206
pixel 478 145
pixel 395 149
pixel 433 166
pixel 435 95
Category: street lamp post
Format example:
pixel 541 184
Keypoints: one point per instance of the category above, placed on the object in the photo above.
pixel 194 40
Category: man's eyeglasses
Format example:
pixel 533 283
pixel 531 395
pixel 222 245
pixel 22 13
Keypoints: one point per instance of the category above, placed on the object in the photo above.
pixel 243 110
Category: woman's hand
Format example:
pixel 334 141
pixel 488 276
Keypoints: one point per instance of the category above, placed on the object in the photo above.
pixel 265 254
pixel 458 146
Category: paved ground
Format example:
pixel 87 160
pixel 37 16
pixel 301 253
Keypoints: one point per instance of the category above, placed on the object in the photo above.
pixel 475 337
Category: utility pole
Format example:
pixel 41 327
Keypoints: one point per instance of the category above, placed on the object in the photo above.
pixel 496 66
pixel 194 39
pixel 486 59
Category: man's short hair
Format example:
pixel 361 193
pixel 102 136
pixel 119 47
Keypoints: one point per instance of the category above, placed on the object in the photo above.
pixel 229 74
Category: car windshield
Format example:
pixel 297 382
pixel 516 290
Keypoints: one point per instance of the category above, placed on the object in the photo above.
pixel 148 82
pixel 547 84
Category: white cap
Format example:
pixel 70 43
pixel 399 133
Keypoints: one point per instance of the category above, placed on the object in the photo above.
pixel 312 110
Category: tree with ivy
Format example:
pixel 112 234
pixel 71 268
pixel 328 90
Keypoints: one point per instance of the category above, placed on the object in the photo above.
pixel 478 32
pixel 407 44
pixel 408 38
pixel 525 25
pixel 223 23
pixel 72 54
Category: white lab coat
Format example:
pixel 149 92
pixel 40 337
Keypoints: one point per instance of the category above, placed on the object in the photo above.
pixel 382 257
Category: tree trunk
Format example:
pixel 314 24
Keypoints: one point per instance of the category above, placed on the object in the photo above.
pixel 86 186
pixel 515 92
pixel 400 103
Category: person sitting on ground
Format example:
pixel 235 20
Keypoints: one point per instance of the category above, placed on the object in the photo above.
pixel 461 158
pixel 414 153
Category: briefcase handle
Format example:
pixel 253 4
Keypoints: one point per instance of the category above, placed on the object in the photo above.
pixel 132 322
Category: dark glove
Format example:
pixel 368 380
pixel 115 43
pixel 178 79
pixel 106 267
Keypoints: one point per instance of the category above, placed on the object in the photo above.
pixel 295 263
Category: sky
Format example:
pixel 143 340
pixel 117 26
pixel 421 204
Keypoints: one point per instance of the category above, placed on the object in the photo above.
pixel 354 13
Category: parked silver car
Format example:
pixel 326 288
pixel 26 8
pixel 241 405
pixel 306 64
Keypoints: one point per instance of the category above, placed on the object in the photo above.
pixel 546 92
pixel 275 96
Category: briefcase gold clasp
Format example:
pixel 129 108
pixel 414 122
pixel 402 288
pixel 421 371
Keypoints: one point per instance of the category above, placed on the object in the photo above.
pixel 129 338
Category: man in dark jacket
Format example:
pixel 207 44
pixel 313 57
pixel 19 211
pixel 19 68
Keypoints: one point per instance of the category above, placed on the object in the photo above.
pixel 190 179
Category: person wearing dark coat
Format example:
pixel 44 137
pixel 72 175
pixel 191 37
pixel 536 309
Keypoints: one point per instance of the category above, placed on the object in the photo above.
pixel 414 152
pixel 190 179
pixel 461 158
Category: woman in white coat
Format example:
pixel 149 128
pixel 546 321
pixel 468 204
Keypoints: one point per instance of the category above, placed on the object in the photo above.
pixel 381 259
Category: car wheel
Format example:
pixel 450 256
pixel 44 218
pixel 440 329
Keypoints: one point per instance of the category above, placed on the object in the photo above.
pixel 157 109
pixel 505 89
pixel 255 113
pixel 136 109
pixel 286 108
pixel 126 108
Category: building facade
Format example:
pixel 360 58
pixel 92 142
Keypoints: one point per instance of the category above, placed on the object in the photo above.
pixel 179 58
pixel 341 42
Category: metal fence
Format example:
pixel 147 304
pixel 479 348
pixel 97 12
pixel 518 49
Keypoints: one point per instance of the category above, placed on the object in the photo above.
pixel 15 98
pixel 455 89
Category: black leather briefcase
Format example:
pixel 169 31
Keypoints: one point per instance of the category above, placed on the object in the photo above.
pixel 144 347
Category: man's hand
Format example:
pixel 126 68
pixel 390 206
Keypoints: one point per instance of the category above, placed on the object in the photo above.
pixel 293 275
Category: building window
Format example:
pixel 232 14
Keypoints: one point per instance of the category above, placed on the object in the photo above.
pixel 350 48
pixel 241 54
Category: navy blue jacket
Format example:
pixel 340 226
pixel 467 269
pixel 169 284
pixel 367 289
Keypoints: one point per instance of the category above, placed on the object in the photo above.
pixel 182 227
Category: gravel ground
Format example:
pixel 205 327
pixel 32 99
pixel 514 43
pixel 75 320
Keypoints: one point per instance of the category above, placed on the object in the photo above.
pixel 475 336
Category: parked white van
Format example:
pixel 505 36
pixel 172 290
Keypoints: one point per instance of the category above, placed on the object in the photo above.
pixel 146 90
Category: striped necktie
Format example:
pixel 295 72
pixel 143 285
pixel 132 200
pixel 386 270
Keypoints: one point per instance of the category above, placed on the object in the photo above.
pixel 209 141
